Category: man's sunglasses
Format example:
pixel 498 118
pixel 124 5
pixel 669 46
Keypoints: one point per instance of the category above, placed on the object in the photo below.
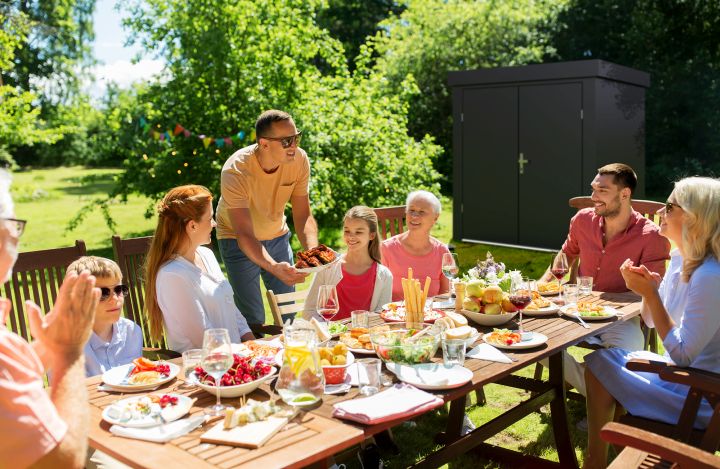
pixel 118 289
pixel 669 206
pixel 19 225
pixel 287 142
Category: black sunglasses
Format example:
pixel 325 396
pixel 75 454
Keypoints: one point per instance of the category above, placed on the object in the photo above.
pixel 669 206
pixel 287 142
pixel 118 289
pixel 19 225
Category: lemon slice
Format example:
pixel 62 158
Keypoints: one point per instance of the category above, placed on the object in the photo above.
pixel 304 398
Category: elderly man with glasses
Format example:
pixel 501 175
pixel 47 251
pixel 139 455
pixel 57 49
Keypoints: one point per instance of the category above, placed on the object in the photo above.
pixel 256 183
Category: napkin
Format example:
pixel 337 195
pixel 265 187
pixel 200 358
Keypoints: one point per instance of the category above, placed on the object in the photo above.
pixel 401 400
pixel 160 433
pixel 488 352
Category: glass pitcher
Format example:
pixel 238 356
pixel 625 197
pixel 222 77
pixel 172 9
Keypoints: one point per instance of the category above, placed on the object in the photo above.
pixel 301 380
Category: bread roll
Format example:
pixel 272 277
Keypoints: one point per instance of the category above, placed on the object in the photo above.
pixel 462 332
pixel 457 318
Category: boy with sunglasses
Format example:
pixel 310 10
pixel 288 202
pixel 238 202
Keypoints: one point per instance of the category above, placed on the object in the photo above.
pixel 114 340
pixel 256 183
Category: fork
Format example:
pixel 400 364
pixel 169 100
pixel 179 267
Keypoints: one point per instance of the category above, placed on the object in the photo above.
pixel 582 323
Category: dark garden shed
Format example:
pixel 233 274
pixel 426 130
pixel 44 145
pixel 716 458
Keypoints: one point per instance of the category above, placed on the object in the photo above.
pixel 526 139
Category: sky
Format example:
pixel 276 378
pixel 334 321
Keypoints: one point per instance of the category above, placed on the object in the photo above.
pixel 115 59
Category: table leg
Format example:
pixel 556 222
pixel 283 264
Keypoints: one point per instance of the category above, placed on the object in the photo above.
pixel 454 422
pixel 558 413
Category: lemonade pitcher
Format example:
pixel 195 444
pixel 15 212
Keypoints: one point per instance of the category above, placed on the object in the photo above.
pixel 301 380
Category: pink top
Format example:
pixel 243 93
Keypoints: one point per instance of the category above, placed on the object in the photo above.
pixel 397 259
pixel 355 291
pixel 641 242
pixel 31 426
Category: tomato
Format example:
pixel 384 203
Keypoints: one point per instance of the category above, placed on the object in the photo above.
pixel 383 352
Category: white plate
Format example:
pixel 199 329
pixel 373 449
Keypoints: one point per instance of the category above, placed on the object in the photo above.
pixel 609 313
pixel 431 376
pixel 339 388
pixel 546 311
pixel 536 340
pixel 114 377
pixel 310 270
pixel 362 351
pixel 169 413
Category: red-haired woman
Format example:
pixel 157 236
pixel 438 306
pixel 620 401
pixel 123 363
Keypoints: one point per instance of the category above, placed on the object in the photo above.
pixel 186 291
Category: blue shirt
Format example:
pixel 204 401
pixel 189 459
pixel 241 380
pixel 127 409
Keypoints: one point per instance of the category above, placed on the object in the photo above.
pixel 124 347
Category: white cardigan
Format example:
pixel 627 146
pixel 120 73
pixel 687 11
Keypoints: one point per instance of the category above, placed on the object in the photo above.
pixel 382 293
pixel 193 301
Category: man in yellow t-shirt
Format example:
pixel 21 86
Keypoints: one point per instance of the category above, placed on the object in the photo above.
pixel 256 183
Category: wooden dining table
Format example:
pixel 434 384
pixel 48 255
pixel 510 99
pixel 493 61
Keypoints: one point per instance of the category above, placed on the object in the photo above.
pixel 315 435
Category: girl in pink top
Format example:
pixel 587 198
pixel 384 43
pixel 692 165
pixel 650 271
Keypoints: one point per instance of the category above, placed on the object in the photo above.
pixel 361 281
pixel 416 248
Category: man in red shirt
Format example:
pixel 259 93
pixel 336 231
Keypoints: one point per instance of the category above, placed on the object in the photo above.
pixel 602 238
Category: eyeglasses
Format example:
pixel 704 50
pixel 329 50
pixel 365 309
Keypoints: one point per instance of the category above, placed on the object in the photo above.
pixel 287 142
pixel 19 225
pixel 669 206
pixel 118 289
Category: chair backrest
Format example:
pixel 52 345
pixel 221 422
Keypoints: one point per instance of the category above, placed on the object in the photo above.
pixel 391 219
pixel 130 255
pixel 648 208
pixel 280 303
pixel 37 276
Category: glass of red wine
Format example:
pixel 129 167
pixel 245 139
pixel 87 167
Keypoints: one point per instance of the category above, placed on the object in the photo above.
pixel 559 269
pixel 327 304
pixel 521 295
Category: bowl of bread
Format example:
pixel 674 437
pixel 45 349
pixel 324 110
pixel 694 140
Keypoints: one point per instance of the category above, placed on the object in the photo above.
pixel 456 327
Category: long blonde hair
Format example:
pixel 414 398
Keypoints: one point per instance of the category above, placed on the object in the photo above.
pixel 361 212
pixel 699 197
pixel 179 206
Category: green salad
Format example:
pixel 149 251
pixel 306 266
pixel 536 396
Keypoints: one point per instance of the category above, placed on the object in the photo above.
pixel 337 328
pixel 595 314
pixel 395 347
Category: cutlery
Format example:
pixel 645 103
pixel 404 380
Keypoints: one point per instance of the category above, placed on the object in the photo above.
pixel 582 323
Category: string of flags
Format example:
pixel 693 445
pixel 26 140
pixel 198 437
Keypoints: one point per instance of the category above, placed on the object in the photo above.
pixel 181 131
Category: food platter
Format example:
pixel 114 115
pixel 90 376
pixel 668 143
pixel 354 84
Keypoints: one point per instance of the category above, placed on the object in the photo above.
pixel 396 313
pixel 546 311
pixel 596 314
pixel 146 411
pixel 536 339
pixel 548 288
pixel 431 376
pixel 310 270
pixel 117 378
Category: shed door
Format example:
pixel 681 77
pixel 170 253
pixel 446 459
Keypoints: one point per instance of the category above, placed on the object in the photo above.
pixel 489 164
pixel 550 138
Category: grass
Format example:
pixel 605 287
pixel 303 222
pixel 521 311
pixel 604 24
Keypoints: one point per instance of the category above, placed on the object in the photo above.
pixel 49 198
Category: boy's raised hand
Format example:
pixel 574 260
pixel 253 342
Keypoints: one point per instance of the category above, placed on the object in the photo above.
pixel 67 327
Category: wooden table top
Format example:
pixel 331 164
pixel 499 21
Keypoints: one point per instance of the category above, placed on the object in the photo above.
pixel 316 435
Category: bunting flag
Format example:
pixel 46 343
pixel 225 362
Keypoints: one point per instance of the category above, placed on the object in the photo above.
pixel 181 131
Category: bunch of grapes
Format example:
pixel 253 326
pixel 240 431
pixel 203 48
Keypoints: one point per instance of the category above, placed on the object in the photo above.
pixel 242 371
pixel 167 400
pixel 489 266
pixel 163 369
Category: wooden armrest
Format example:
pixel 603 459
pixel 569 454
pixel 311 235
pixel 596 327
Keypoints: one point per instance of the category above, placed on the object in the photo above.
pixel 671 450
pixel 646 366
pixel 706 381
pixel 259 330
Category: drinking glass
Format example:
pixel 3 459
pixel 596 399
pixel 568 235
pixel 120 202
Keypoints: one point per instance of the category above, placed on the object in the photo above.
pixel 327 304
pixel 521 295
pixel 453 351
pixel 368 370
pixel 570 292
pixel 360 318
pixel 191 359
pixel 559 269
pixel 450 268
pixel 585 285
pixel 217 358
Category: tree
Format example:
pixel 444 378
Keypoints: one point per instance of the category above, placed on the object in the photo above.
pixel 434 37
pixel 677 43
pixel 226 63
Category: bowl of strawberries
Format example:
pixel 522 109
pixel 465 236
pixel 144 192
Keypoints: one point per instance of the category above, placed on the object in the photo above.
pixel 243 377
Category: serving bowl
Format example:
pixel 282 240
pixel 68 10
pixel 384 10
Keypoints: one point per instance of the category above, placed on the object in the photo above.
pixel 489 320
pixel 236 390
pixel 393 342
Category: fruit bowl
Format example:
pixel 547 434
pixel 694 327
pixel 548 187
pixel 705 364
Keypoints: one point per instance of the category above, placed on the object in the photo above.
pixel 489 320
pixel 235 390
pixel 393 342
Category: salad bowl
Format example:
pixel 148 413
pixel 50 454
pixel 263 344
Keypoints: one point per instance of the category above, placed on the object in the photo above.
pixel 397 342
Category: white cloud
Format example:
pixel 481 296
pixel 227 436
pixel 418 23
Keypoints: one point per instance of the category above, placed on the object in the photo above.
pixel 123 73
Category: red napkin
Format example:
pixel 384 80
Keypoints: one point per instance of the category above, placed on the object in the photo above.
pixel 401 400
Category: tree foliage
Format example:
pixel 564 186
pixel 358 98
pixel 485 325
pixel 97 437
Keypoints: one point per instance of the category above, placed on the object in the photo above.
pixel 432 37
pixel 675 41
pixel 227 62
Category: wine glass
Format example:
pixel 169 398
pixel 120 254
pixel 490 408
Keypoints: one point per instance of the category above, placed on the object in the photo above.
pixel 450 268
pixel 217 358
pixel 521 295
pixel 559 269
pixel 327 304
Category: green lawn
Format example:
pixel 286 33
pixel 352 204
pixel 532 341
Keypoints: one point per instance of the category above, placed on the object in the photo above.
pixel 49 198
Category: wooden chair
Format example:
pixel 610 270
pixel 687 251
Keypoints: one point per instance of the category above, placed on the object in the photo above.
pixel 645 449
pixel 702 385
pixel 281 304
pixel 130 255
pixel 391 219
pixel 37 276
